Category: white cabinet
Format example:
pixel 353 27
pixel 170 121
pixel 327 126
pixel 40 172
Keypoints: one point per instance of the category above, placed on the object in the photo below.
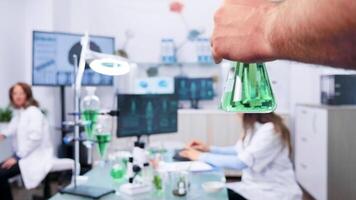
pixel 214 127
pixel 322 134
pixel 311 150
pixel 211 126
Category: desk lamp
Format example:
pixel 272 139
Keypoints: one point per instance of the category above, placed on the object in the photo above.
pixel 106 64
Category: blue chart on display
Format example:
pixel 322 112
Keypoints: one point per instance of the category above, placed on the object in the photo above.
pixel 147 114
pixel 52 59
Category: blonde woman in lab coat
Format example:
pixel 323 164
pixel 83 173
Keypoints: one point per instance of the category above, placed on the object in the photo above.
pixel 33 152
pixel 263 156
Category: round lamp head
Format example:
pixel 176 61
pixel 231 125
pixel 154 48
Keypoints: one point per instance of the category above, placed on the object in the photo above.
pixel 110 67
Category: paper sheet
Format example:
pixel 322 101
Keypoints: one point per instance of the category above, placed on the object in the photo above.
pixel 193 166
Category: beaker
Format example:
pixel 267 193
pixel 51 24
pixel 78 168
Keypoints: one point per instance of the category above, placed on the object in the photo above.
pixel 248 89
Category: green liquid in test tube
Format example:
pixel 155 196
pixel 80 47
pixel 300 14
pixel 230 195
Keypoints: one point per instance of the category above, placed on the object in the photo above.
pixel 248 90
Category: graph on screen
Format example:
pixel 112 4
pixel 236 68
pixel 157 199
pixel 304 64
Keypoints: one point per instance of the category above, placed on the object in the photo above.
pixel 53 62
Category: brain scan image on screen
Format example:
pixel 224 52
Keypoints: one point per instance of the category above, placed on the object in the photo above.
pixel 147 114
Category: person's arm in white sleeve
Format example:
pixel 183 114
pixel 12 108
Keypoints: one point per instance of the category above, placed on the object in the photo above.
pixel 10 129
pixel 223 161
pixel 264 147
pixel 229 150
pixel 34 132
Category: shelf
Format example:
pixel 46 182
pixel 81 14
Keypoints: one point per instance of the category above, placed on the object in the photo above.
pixel 183 64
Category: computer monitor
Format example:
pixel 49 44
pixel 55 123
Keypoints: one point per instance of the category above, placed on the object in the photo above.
pixel 53 63
pixel 182 88
pixel 147 114
pixel 201 88
pixel 194 89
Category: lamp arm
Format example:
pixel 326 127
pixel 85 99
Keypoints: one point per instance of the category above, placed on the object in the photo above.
pixel 78 80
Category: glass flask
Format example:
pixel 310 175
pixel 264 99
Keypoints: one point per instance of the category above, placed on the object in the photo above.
pixel 90 107
pixel 248 89
pixel 118 169
pixel 103 136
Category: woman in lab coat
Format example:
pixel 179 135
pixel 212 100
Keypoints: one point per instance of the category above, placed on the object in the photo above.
pixel 263 156
pixel 33 152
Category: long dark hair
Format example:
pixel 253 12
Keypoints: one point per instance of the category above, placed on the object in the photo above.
pixel 249 119
pixel 30 100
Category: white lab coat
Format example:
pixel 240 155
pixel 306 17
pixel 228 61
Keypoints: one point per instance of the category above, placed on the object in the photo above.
pixel 32 143
pixel 269 175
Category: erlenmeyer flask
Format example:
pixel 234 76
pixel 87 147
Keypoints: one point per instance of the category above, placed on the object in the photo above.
pixel 248 90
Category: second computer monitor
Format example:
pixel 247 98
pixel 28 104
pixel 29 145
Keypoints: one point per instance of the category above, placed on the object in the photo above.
pixel 194 88
pixel 147 114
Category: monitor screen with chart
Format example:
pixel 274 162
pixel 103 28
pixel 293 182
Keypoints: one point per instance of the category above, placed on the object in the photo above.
pixel 147 114
pixel 53 62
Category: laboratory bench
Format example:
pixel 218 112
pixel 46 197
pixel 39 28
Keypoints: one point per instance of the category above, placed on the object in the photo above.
pixel 100 176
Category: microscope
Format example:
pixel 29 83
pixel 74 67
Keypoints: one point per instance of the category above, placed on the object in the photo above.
pixel 136 164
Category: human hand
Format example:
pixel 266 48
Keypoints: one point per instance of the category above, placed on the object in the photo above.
pixel 191 154
pixel 241 31
pixel 9 163
pixel 2 137
pixel 198 145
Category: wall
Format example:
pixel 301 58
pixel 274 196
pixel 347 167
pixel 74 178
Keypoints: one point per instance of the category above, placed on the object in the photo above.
pixel 12 48
pixel 18 19
pixel 293 82
pixel 149 22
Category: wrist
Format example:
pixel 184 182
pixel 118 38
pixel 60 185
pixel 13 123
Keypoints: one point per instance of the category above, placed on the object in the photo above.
pixel 270 33
pixel 274 33
pixel 17 157
pixel 208 148
pixel 201 157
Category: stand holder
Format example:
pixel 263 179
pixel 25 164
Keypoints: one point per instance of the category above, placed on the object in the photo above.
pixel 81 190
pixel 194 103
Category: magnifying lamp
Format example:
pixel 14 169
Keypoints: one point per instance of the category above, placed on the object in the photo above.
pixel 106 64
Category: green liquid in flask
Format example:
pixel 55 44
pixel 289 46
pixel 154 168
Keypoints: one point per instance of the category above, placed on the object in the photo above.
pixel 117 172
pixel 248 90
pixel 91 117
pixel 103 143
